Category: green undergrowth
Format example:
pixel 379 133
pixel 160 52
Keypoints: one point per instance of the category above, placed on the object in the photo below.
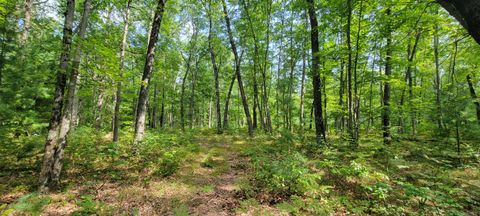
pixel 300 177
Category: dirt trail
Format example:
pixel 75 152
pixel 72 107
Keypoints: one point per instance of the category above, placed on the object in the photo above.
pixel 227 169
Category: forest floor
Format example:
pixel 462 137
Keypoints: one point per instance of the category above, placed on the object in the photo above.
pixel 203 173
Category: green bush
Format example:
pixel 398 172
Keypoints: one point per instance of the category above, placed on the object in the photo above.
pixel 285 174
pixel 168 164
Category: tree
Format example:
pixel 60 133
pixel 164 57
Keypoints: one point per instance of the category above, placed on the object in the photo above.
pixel 118 95
pixel 387 138
pixel 147 72
pixel 49 174
pixel 215 69
pixel 237 69
pixel 317 89
pixel 467 12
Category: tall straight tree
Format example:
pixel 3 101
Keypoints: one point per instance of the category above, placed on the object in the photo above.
pixel 147 73
pixel 118 95
pixel 387 139
pixel 48 179
pixel 237 69
pixel 350 120
pixel 317 82
pixel 438 79
pixel 215 69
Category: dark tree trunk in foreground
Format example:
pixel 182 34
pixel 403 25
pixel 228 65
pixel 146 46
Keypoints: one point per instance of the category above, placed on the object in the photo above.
pixel 317 88
pixel 387 139
pixel 467 12
pixel 237 70
pixel 118 96
pixel 215 70
pixel 147 73
pixel 474 96
pixel 48 179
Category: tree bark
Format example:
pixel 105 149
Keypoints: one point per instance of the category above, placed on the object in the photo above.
pixel 237 70
pixel 474 96
pixel 227 101
pixel 387 139
pixel 118 96
pixel 350 120
pixel 467 12
pixel 68 111
pixel 147 73
pixel 317 82
pixel 266 106
pixel 215 70
pixel 438 102
pixel 356 96
pixel 26 22
pixel 302 85
pixel 48 179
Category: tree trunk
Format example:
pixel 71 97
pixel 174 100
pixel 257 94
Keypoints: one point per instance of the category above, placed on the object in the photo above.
pixel 437 79
pixel 215 70
pixel 266 106
pixel 162 109
pixel 26 22
pixel 356 97
pixel 317 82
pixel 256 103
pixel 387 139
pixel 474 96
pixel 227 101
pixel 302 85
pixel 350 120
pixel 48 178
pixel 118 96
pixel 467 12
pixel 237 70
pixel 68 110
pixel 147 73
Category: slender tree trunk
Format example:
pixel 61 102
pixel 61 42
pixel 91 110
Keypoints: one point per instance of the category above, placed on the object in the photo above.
pixel 147 73
pixel 266 106
pixel 191 111
pixel 474 96
pixel 256 103
pixel 302 85
pixel 99 109
pixel 227 101
pixel 153 121
pixel 350 120
pixel 387 139
pixel 437 79
pixel 118 96
pixel 48 178
pixel 26 22
pixel 162 110
pixel 356 105
pixel 237 70
pixel 317 82
pixel 182 96
pixel 215 70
